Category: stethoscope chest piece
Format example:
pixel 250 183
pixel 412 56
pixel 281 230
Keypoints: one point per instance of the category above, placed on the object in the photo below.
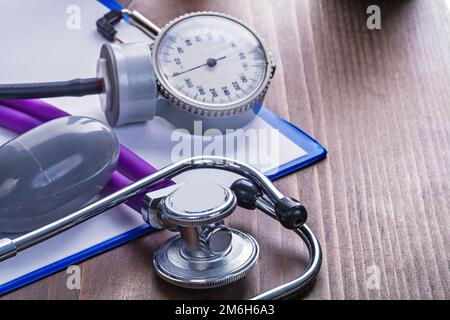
pixel 206 253
pixel 180 267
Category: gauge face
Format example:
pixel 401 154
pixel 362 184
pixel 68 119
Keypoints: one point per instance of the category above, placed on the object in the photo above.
pixel 211 60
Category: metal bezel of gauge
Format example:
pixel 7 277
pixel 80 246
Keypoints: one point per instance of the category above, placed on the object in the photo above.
pixel 203 108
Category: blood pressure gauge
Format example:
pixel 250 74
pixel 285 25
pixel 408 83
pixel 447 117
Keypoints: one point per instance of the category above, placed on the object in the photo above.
pixel 202 66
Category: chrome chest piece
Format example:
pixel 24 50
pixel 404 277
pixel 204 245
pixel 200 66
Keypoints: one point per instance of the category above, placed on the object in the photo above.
pixel 206 253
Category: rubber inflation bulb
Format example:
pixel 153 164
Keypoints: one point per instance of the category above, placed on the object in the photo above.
pixel 53 170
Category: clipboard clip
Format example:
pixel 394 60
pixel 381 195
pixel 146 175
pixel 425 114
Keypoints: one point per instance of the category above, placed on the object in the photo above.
pixel 105 25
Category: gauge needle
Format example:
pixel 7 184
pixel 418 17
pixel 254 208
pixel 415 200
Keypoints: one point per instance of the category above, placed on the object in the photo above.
pixel 211 62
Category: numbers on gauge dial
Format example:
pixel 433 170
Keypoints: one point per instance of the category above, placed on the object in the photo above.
pixel 215 66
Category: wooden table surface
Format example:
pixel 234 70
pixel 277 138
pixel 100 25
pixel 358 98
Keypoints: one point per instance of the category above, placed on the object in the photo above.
pixel 379 101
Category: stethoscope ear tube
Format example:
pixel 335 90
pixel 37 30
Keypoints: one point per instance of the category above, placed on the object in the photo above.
pixel 307 278
pixel 9 247
pixel 289 212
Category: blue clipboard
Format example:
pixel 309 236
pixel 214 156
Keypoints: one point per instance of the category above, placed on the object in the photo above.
pixel 315 152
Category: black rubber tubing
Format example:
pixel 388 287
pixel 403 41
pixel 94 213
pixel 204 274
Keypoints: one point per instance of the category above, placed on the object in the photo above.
pixel 70 88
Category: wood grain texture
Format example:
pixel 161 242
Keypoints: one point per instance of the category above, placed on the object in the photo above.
pixel 379 100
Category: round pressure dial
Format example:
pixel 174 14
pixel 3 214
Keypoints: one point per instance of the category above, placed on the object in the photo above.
pixel 211 64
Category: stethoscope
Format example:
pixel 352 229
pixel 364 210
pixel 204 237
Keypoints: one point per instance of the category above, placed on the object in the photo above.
pixel 206 253
pixel 203 66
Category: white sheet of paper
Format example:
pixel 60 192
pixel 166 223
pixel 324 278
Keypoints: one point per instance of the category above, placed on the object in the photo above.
pixel 37 45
